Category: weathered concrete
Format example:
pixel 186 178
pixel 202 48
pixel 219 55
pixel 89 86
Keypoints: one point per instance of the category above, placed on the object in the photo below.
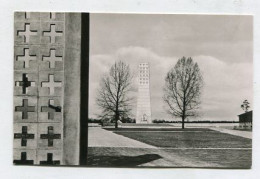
pixel 47 71
pixel 72 62
pixel 36 82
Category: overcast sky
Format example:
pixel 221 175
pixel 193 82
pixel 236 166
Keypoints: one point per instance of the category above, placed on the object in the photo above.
pixel 221 45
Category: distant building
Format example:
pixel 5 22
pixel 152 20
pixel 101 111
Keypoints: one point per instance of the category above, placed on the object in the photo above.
pixel 245 119
pixel 143 101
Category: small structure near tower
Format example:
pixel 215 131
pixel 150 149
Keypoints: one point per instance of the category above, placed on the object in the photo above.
pixel 143 101
pixel 245 120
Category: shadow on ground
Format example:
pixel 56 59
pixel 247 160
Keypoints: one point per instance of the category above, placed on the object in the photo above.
pixel 121 161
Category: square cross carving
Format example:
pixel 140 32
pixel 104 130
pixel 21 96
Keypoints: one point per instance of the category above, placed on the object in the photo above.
pixel 52 15
pixel 24 136
pixel 51 109
pixel 50 161
pixel 26 57
pixel 51 84
pixel 27 15
pixel 23 160
pixel 52 33
pixel 25 83
pixel 52 58
pixel 50 136
pixel 25 108
pixel 27 32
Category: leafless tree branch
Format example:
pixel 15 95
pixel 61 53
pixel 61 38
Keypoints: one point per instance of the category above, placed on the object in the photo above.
pixel 113 92
pixel 182 90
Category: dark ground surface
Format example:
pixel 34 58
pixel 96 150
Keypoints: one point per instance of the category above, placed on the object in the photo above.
pixel 175 149
pixel 194 158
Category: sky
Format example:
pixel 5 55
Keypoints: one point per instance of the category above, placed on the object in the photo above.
pixel 221 45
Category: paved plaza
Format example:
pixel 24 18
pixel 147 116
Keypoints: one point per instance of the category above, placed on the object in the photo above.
pixel 99 137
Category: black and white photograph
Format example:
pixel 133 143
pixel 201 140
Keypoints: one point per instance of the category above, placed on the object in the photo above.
pixel 170 90
pixel 133 90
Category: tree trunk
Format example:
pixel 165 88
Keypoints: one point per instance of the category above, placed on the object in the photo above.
pixel 116 125
pixel 116 122
pixel 183 112
pixel 183 122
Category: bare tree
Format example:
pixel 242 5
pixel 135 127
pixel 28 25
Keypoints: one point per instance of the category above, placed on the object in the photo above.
pixel 182 90
pixel 245 106
pixel 113 93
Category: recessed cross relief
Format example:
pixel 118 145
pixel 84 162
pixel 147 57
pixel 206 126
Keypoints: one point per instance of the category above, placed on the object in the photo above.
pixel 25 83
pixel 50 161
pixel 52 34
pixel 24 136
pixel 50 136
pixel 25 109
pixel 23 160
pixel 52 58
pixel 52 15
pixel 26 57
pixel 51 84
pixel 27 32
pixel 27 15
pixel 51 109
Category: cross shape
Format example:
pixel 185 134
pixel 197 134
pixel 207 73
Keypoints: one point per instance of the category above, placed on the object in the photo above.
pixel 50 161
pixel 23 136
pixel 51 84
pixel 52 33
pixel 50 136
pixel 52 58
pixel 25 109
pixel 25 83
pixel 27 32
pixel 51 109
pixel 52 15
pixel 23 159
pixel 26 57
pixel 27 15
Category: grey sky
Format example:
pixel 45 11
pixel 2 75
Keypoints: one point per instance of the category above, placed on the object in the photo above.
pixel 222 46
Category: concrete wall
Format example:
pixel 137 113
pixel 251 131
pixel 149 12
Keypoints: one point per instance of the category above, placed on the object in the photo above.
pixel 72 89
pixel 47 63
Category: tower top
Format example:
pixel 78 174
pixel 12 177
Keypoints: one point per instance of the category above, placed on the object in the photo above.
pixel 144 64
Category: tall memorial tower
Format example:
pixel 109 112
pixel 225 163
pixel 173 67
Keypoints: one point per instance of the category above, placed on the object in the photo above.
pixel 144 114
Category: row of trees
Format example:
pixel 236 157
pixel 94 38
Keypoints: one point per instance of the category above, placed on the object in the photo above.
pixel 182 90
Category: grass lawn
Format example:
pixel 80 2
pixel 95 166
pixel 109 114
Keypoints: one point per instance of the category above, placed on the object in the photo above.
pixel 176 148
pixel 200 138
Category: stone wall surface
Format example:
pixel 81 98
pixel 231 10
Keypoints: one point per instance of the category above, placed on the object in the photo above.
pixel 46 61
pixel 72 89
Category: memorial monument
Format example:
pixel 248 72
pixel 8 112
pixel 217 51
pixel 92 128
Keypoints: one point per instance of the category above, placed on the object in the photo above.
pixel 143 101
